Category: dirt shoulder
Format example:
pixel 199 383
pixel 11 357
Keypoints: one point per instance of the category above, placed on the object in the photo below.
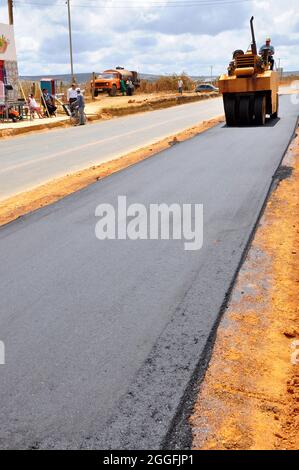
pixel 16 206
pixel 249 398
pixel 104 108
pixel 124 105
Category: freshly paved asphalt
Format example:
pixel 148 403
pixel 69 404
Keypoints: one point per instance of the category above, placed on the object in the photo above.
pixel 102 338
pixel 30 160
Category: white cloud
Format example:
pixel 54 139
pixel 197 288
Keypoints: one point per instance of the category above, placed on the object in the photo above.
pixel 150 39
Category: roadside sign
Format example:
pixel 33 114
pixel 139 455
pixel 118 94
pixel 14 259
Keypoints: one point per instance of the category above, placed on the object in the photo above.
pixel 7 43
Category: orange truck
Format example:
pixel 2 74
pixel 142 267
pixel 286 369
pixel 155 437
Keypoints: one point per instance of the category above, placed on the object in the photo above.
pixel 109 81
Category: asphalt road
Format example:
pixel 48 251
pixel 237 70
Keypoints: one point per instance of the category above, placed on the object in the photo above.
pixel 30 160
pixel 102 337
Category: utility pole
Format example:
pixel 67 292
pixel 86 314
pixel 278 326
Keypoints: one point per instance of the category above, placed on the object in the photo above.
pixel 70 38
pixel 10 11
pixel 212 73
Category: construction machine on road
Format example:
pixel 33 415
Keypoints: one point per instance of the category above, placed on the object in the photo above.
pixel 250 88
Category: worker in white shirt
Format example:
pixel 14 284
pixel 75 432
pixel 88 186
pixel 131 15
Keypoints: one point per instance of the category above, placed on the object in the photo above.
pixel 72 94
pixel 180 86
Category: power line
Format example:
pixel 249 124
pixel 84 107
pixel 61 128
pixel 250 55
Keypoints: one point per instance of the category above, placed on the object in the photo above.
pixel 154 4
pixel 193 4
pixel 169 3
pixel 109 3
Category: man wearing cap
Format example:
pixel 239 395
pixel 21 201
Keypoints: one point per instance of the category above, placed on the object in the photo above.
pixel 80 105
pixel 270 49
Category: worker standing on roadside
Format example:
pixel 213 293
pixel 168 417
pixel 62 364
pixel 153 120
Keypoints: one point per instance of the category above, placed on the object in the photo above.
pixel 180 86
pixel 80 105
pixel 271 52
pixel 72 94
pixel 129 87
pixel 123 87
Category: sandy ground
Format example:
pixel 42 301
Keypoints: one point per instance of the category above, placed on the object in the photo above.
pixel 289 90
pixel 250 396
pixel 16 206
pixel 8 129
pixel 104 101
pixel 107 108
pixel 35 122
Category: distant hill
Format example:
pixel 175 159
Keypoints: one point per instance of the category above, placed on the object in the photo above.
pixel 84 77
pixel 81 77
pixel 288 74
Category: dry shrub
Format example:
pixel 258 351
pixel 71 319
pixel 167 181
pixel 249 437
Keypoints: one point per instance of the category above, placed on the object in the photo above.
pixel 167 84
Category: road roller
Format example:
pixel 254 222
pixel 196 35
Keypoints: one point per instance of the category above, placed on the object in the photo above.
pixel 250 87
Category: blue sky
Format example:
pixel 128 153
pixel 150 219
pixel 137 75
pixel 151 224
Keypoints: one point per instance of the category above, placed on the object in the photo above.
pixel 149 36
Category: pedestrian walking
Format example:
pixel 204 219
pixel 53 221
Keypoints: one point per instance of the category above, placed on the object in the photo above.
pixel 180 86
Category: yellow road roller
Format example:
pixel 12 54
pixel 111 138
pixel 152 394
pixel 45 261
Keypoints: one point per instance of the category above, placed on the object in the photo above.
pixel 250 87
